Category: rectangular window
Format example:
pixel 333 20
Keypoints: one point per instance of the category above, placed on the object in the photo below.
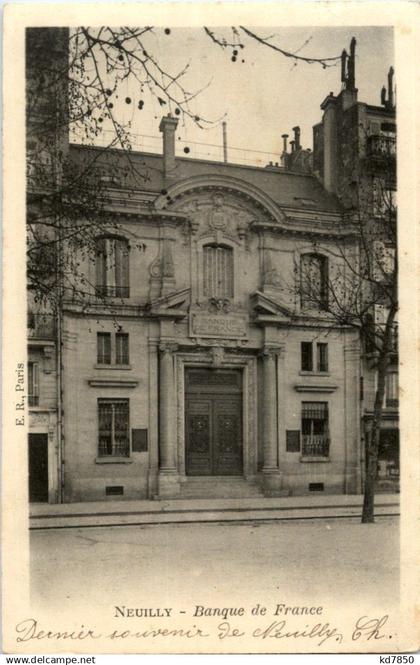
pixel 306 356
pixel 391 389
pixel 322 357
pixel 33 384
pixel 121 349
pixel 104 348
pixel 113 416
pixel 315 433
pixel 112 268
pixel 218 271
pixel 314 281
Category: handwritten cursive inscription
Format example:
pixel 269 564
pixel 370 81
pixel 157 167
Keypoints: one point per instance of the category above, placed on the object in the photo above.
pixel 365 628
pixel 28 630
pixel 279 629
pixel 369 628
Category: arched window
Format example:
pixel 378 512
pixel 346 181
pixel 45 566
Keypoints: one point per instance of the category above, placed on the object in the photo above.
pixel 112 267
pixel 314 281
pixel 218 271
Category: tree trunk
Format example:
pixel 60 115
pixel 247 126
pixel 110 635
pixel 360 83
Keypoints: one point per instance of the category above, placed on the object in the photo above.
pixel 372 441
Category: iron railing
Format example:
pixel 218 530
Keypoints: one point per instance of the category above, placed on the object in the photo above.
pixel 113 291
pixel 382 146
pixel 41 326
pixel 315 445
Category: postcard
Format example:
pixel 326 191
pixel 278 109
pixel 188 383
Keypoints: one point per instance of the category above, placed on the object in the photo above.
pixel 210 338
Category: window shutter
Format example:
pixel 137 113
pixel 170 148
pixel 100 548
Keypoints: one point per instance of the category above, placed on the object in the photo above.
pixel 121 269
pixel 100 263
pixel 306 356
pixel 322 360
pixel 104 348
pixel 122 354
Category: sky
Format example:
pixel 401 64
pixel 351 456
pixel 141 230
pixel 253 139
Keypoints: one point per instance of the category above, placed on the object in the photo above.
pixel 263 94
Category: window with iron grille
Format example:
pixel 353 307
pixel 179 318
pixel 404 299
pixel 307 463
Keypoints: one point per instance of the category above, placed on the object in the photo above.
pixel 218 271
pixel 114 439
pixel 121 349
pixel 315 431
pixel 314 281
pixel 104 348
pixel 112 268
pixel 33 384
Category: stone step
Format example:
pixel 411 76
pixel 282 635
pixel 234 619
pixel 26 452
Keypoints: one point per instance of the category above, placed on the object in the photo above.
pixel 223 487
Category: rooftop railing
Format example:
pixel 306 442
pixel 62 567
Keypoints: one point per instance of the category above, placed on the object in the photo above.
pixel 188 149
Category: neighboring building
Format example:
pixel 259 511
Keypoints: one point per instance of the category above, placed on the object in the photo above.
pixel 46 145
pixel 192 367
pixel 355 158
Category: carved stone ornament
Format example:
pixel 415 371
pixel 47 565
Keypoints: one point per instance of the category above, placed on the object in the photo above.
pixel 272 352
pixel 168 347
pixel 217 217
pixel 37 419
pixel 218 211
pixel 218 354
pixel 221 305
pixel 155 267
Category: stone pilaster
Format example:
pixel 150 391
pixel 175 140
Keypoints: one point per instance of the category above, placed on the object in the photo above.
pixel 168 472
pixel 271 472
pixel 281 405
pixel 153 418
pixel 352 453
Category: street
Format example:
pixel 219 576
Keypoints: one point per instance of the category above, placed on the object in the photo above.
pixel 225 564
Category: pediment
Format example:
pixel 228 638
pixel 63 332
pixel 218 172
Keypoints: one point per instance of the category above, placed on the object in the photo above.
pixel 267 310
pixel 172 304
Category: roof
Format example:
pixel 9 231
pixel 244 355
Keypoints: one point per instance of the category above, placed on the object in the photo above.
pixel 144 171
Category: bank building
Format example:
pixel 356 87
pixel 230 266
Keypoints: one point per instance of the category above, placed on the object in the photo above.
pixel 197 367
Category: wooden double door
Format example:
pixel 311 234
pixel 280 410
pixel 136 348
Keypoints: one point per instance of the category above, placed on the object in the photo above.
pixel 213 426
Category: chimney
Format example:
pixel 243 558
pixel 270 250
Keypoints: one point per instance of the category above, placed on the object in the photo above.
pixel 167 126
pixel 330 142
pixel 343 65
pixel 296 131
pixel 391 87
pixel 383 96
pixel 293 144
pixel 285 137
pixel 351 66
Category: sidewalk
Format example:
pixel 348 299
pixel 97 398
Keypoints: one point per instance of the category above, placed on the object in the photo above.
pixel 119 513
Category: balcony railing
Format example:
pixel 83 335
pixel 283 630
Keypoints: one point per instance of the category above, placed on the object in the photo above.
pixel 315 445
pixel 382 146
pixel 113 291
pixel 41 326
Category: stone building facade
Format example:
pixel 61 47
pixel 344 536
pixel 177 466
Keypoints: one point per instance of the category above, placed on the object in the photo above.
pixel 194 367
pixel 355 150
pixel 230 385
